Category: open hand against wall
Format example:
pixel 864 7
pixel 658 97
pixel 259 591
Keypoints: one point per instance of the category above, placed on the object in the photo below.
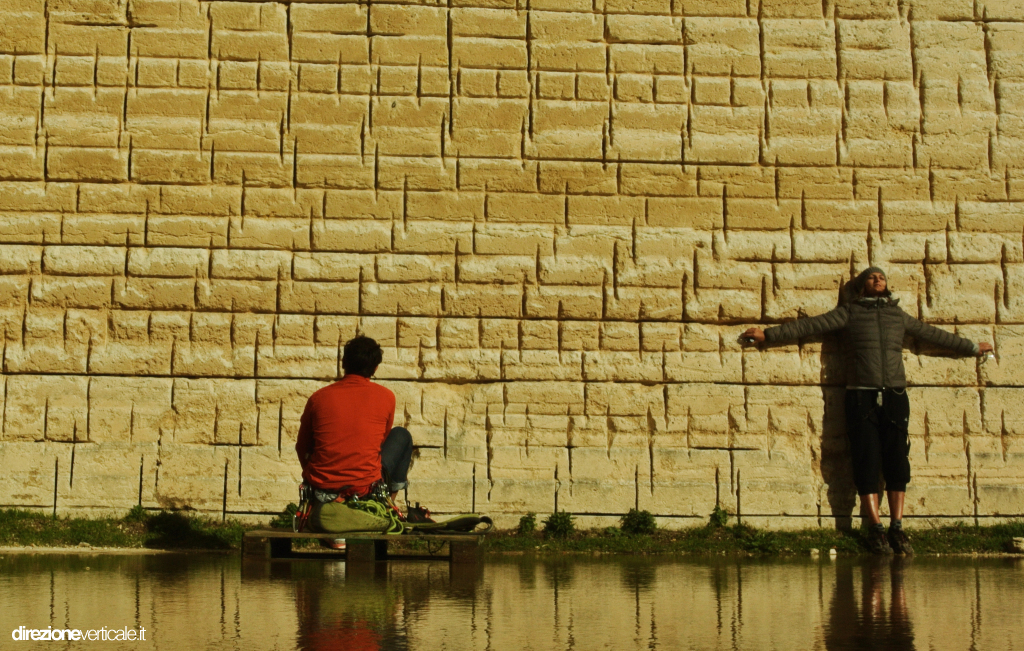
pixel 753 335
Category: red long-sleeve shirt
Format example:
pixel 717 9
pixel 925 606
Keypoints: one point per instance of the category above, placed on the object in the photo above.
pixel 340 434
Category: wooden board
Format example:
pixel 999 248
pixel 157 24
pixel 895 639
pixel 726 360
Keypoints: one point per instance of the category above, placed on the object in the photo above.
pixel 275 544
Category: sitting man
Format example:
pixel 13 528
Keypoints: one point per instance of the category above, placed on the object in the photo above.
pixel 346 441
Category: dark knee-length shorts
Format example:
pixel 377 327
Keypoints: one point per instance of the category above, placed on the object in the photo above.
pixel 879 441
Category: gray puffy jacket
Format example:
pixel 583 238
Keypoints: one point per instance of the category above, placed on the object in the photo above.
pixel 874 329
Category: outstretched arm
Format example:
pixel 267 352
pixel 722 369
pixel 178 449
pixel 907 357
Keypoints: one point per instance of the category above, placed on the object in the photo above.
pixel 834 320
pixel 940 337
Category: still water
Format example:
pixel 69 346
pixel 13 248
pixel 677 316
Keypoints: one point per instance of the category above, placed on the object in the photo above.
pixel 521 602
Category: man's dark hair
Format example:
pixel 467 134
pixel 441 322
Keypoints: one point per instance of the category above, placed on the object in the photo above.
pixel 362 356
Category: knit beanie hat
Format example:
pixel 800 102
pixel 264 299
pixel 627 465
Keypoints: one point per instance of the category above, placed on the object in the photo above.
pixel 862 278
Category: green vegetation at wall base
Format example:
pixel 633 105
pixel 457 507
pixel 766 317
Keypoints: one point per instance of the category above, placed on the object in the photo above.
pixel 139 529
pixel 184 530
pixel 741 539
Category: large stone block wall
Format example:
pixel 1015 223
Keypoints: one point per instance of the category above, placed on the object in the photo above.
pixel 555 215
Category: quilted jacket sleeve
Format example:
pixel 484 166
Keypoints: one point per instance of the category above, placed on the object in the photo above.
pixel 939 337
pixel 807 327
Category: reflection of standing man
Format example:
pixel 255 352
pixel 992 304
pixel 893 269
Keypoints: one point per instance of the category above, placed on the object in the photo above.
pixel 877 408
pixel 869 624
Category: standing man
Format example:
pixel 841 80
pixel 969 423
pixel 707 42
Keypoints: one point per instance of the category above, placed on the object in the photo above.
pixel 877 408
pixel 346 441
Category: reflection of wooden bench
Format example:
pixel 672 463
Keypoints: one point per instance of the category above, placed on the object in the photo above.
pixel 267 544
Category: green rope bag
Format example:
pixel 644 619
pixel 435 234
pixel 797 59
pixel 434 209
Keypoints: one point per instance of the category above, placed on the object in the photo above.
pixel 375 508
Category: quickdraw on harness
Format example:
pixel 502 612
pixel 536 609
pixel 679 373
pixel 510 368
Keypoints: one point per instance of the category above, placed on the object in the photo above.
pixel 301 516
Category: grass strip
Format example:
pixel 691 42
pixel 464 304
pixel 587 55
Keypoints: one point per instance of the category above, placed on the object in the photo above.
pixel 138 529
pixel 183 530
pixel 741 539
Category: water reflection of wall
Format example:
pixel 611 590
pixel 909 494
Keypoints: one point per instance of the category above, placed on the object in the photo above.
pixel 511 604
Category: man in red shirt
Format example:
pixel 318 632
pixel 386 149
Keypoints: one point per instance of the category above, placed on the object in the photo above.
pixel 346 441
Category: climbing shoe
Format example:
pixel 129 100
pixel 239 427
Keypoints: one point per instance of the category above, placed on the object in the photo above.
pixel 877 542
pixel 418 515
pixel 899 542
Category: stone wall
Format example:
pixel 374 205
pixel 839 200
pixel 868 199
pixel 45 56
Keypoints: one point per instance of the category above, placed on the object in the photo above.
pixel 556 216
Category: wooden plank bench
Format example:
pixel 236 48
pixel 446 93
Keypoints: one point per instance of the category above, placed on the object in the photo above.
pixel 274 544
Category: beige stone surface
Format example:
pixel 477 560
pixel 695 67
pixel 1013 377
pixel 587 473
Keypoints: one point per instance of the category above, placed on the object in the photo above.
pixel 556 219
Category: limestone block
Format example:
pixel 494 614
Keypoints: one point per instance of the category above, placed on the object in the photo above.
pixel 754 214
pixel 939 369
pixel 168 262
pixel 444 483
pixel 506 269
pixel 706 413
pixel 973 288
pixel 129 410
pixel 131 357
pixel 46 408
pixel 647 131
pixel 941 411
pixel 542 365
pixel 35 474
pixel 717 46
pixel 266 479
pixel 789 304
pixel 236 295
pixel 524 480
pixel 195 475
pixel 799 48
pixel 280 404
pixel 550 301
pixel 461 364
pixel 752 246
pixel 1005 49
pixel 51 341
pixel 643 302
pixel 111 475
pixel 787 421
pixel 214 411
pixel 623 367
pixel 298 361
pixel 1000 371
pixel 687 482
pixel 605 480
pixel 940 479
pixel 1002 412
pixel 209 359
pixel 986 217
pixel 948 49
pixel 252 232
pixel 875 49
pixel 996 462
pixel 720 134
pixel 103 229
pixel 728 304
pixel 561 397
pixel 467 299
pixel 571 177
pixel 1009 308
pixel 775 482
pixel 26 31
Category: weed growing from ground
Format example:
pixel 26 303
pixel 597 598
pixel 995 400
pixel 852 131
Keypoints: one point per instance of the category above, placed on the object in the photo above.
pixel 527 524
pixel 638 523
pixel 719 517
pixel 559 525
pixel 283 520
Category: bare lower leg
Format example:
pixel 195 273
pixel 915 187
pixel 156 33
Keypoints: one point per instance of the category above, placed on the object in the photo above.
pixel 869 508
pixel 896 499
pixel 395 495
